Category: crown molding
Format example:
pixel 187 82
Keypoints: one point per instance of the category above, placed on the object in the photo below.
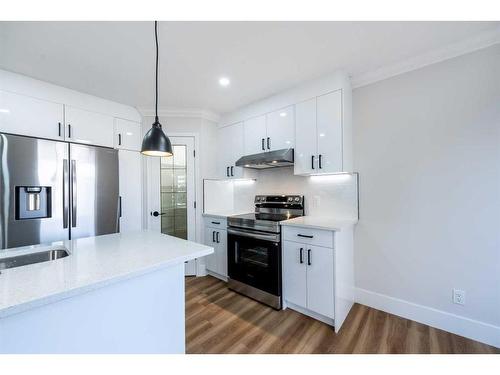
pixel 182 112
pixel 450 51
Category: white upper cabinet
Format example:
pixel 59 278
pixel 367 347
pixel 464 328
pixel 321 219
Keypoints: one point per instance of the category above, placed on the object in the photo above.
pixel 280 129
pixel 128 135
pixel 24 115
pixel 255 135
pixel 270 132
pixel 230 148
pixel 319 132
pixel 329 130
pixel 88 127
pixel 305 137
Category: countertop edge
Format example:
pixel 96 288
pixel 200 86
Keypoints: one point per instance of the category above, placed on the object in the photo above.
pixel 58 296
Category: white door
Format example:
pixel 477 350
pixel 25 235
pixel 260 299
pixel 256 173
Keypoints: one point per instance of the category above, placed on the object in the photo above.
pixel 172 192
pixel 88 127
pixel 329 125
pixel 305 137
pixel 280 129
pixel 23 115
pixel 254 135
pixel 130 171
pixel 128 135
pixel 294 273
pixel 320 293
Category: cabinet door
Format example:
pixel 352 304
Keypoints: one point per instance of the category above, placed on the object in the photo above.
pixel 255 135
pixel 211 260
pixel 230 149
pixel 305 152
pixel 320 293
pixel 23 115
pixel 88 127
pixel 221 238
pixel 130 172
pixel 280 129
pixel 294 273
pixel 329 125
pixel 128 135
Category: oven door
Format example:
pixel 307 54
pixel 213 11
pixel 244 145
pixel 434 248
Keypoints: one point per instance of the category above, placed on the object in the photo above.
pixel 254 258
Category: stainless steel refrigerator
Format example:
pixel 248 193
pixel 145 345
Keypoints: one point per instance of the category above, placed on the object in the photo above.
pixel 52 191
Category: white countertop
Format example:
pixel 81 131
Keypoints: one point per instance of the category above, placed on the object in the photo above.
pixel 224 214
pixel 93 262
pixel 320 222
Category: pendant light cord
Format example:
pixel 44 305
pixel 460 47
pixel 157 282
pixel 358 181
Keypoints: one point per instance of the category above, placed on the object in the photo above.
pixel 156 99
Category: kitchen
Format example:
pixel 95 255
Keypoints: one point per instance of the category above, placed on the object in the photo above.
pixel 283 215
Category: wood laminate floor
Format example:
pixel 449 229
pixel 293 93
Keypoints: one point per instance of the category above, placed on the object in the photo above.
pixel 221 321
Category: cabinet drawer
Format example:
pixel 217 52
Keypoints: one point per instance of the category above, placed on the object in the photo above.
pixel 310 236
pixel 215 222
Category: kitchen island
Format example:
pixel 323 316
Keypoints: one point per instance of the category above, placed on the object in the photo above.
pixel 117 293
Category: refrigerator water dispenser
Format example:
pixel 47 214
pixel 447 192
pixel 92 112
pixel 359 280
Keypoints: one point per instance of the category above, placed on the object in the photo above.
pixel 33 202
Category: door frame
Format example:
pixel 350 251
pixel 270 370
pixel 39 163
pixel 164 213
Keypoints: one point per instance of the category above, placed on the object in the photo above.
pixel 150 192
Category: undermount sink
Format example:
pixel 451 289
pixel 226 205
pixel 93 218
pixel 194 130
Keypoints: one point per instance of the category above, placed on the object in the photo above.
pixel 26 259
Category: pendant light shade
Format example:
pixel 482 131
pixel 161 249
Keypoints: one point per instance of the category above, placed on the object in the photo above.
pixel 155 142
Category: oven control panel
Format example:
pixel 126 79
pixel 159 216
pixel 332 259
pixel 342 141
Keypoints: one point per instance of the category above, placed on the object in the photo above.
pixel 284 199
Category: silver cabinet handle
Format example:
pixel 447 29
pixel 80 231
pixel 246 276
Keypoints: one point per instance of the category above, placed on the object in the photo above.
pixel 65 193
pixel 74 193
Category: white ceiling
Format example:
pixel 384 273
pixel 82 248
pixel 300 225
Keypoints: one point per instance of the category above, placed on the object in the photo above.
pixel 115 60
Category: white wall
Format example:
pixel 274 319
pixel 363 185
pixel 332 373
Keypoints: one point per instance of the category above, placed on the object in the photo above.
pixel 427 148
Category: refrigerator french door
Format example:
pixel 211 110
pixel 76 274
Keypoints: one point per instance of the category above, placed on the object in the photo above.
pixel 51 191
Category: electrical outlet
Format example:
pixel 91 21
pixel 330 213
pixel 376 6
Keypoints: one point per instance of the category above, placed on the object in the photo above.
pixel 459 296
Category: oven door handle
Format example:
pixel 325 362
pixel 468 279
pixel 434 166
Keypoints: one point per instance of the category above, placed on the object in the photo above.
pixel 252 234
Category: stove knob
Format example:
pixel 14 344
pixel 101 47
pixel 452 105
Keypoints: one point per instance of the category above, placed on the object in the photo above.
pixel 257 199
pixel 297 199
pixel 290 199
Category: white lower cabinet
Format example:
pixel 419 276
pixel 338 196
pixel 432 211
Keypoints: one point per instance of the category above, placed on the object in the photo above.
pixel 308 277
pixel 318 272
pixel 216 263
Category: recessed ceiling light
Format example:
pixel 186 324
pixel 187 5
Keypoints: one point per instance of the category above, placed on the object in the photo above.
pixel 224 81
pixel 283 114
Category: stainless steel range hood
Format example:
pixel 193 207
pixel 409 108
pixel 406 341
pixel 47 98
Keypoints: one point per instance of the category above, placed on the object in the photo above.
pixel 271 159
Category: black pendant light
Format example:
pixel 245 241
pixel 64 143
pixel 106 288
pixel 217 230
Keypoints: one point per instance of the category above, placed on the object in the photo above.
pixel 155 142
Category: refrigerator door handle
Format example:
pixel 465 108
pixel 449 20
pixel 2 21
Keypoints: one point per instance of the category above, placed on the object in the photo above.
pixel 65 193
pixel 74 193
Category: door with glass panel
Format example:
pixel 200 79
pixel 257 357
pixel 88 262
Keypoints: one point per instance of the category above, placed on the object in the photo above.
pixel 172 193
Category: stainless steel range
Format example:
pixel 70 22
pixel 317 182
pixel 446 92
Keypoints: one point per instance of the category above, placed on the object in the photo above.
pixel 254 247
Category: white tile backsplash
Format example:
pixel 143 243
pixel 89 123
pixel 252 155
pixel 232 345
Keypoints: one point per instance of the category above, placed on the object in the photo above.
pixel 328 195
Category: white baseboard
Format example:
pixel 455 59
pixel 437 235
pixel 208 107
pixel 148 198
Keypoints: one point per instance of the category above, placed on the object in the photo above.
pixel 470 328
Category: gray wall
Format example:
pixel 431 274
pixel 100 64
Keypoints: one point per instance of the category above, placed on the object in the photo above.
pixel 427 148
